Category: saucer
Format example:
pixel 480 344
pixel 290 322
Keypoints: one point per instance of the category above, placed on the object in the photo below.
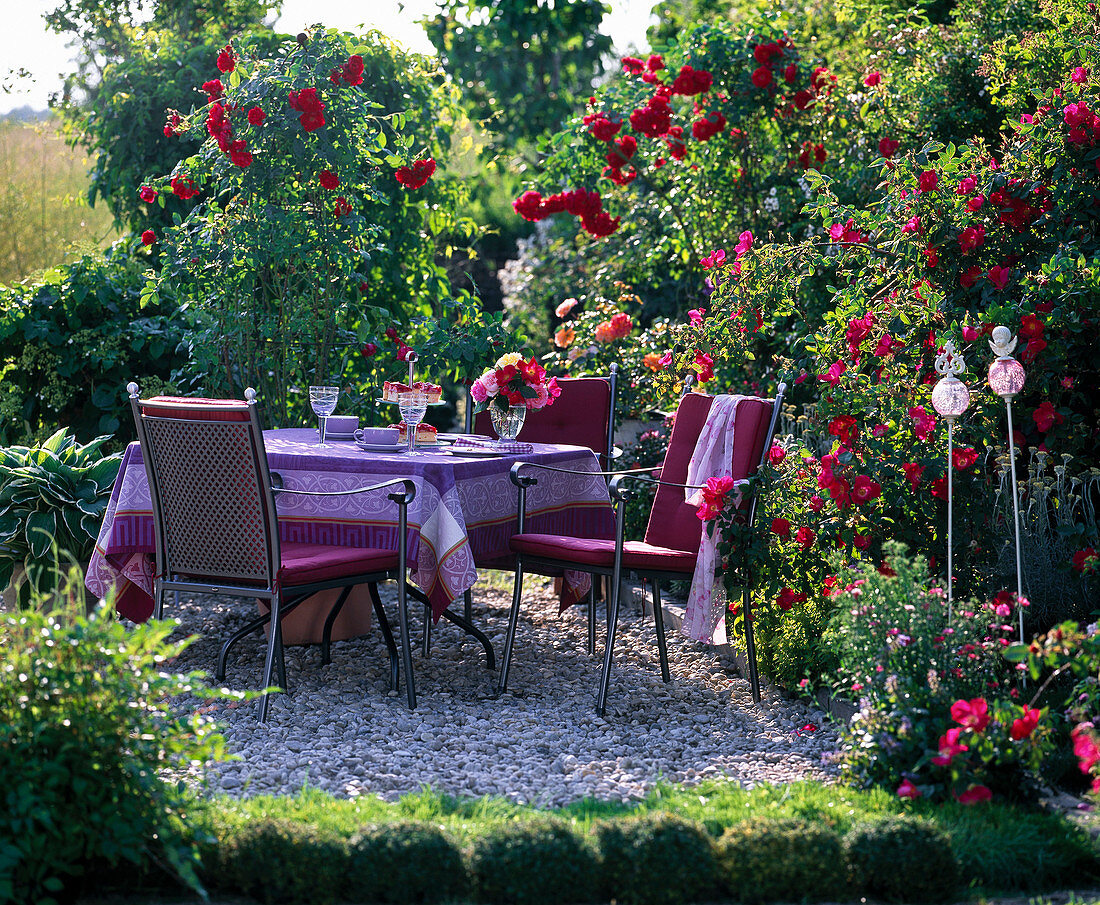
pixel 380 447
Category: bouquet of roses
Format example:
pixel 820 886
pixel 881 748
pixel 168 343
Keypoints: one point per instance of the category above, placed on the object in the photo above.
pixel 513 381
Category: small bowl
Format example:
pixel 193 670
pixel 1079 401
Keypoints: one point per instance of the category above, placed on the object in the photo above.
pixel 382 436
pixel 341 424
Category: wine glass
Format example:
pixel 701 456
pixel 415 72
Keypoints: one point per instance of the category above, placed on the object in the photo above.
pixel 323 402
pixel 413 407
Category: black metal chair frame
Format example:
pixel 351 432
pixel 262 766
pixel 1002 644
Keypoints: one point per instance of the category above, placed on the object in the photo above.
pixel 280 601
pixel 620 495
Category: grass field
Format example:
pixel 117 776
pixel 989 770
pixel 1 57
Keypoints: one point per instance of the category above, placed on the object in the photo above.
pixel 46 219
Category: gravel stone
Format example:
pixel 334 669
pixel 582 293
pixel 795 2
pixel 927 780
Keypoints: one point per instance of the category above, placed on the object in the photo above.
pixel 341 730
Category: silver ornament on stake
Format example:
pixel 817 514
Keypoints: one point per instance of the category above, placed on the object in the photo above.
pixel 1006 379
pixel 950 398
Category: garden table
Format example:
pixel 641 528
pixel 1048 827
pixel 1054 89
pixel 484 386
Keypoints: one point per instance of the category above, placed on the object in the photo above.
pixel 464 508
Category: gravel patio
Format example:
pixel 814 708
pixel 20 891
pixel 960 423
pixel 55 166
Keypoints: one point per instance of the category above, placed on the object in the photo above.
pixel 343 731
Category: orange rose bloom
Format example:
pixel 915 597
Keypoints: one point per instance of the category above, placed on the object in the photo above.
pixel 652 361
pixel 563 339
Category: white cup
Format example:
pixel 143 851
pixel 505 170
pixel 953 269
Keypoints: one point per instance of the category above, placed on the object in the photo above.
pixel 382 436
pixel 342 424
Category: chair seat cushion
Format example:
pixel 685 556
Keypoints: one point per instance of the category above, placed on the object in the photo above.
pixel 637 555
pixel 309 563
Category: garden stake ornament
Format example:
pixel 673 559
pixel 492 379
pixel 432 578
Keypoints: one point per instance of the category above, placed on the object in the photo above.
pixel 950 398
pixel 1006 379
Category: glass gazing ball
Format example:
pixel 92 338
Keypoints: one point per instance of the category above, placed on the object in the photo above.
pixel 1006 377
pixel 950 397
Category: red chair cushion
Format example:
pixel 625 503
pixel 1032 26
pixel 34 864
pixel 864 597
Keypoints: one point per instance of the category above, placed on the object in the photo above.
pixel 308 563
pixel 198 408
pixel 579 416
pixel 672 520
pixel 637 555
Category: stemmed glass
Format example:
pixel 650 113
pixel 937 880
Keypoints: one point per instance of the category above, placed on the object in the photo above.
pixel 413 408
pixel 323 402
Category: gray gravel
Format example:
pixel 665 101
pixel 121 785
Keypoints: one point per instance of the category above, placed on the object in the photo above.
pixel 342 730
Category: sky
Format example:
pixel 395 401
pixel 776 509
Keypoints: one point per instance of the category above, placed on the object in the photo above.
pixel 26 44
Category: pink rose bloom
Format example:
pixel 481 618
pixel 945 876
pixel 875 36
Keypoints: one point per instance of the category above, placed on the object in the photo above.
pixel 1080 75
pixel 974 795
pixel 542 396
pixel 744 242
pixel 696 315
pixel 972 714
pixel 908 790
pixel 565 307
pixel 478 392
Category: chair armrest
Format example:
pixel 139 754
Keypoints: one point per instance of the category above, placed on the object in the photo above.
pixel 616 490
pixel 527 480
pixel 406 497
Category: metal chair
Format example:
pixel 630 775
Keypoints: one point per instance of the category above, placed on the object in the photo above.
pixel 216 526
pixel 583 415
pixel 671 545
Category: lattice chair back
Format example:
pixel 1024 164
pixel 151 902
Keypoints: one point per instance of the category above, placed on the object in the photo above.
pixel 213 509
pixel 583 415
pixel 673 521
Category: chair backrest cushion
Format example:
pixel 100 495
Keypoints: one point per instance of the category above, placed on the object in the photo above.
pixel 580 416
pixel 210 486
pixel 197 408
pixel 672 520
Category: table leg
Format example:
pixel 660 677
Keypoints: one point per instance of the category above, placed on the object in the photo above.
pixel 468 627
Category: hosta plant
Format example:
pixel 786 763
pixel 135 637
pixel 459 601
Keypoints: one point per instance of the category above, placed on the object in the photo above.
pixel 52 498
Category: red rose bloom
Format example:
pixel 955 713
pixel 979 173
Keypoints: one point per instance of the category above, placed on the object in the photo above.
pixel 762 77
pixel 328 179
pixel 1087 560
pixel 239 153
pixel 963 457
pixel 148 194
pixel 781 527
pixel 1023 726
pixel 256 116
pixel 1046 416
pixel 927 181
pixel 309 105
pixel 184 188
pixel 417 175
pixel 352 73
pixel 148 237
pixel 214 89
pixel 227 60
pixel 888 147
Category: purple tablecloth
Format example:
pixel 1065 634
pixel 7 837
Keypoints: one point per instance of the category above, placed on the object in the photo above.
pixel 464 509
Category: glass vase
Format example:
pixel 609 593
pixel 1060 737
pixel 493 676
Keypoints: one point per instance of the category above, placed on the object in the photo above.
pixel 508 422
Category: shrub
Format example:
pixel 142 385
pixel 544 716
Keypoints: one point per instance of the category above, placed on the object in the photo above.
pixel 656 859
pixel 901 859
pixel 70 341
pixel 538 862
pixel 781 860
pixel 278 860
pixel 923 680
pixel 85 735
pixel 328 149
pixel 407 862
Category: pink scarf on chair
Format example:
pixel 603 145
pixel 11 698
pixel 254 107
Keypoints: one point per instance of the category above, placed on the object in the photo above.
pixel 704 618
